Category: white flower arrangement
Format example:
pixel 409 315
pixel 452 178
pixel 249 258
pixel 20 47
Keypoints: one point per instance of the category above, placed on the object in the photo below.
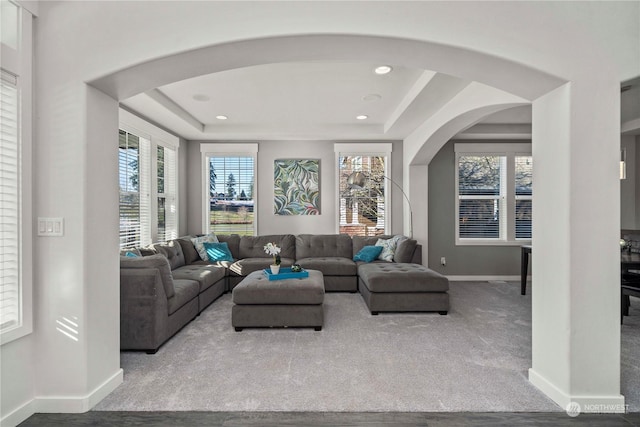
pixel 273 250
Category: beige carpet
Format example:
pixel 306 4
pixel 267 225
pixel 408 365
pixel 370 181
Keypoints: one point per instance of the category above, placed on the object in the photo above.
pixel 474 359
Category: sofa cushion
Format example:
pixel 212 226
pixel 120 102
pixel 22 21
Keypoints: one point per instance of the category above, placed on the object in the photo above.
pixel 368 253
pixel 189 251
pixel 395 277
pixel 405 250
pixel 323 245
pixel 186 290
pixel 253 246
pixel 173 252
pixel 246 266
pixel 233 240
pixel 205 275
pixel 218 251
pixel 158 261
pixel 330 266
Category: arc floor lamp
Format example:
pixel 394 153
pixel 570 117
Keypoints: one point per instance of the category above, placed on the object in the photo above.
pixel 359 180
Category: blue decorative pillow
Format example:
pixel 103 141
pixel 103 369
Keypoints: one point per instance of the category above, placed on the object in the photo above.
pixel 131 255
pixel 218 251
pixel 368 253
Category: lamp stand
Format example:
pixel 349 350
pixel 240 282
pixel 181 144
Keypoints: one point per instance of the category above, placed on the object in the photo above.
pixel 359 179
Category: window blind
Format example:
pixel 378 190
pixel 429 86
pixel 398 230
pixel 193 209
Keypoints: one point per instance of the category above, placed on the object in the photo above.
pixel 481 194
pixel 134 166
pixel 494 194
pixel 231 198
pixel 524 196
pixel 362 210
pixel 167 194
pixel 10 204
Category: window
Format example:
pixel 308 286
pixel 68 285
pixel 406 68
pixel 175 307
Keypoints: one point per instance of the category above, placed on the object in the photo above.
pixel 524 193
pixel 148 163
pixel 15 174
pixel 363 210
pixel 493 193
pixel 166 194
pixel 230 199
pixel 133 160
pixel 10 204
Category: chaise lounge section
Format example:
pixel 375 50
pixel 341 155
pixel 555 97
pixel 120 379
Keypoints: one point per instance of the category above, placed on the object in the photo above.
pixel 393 287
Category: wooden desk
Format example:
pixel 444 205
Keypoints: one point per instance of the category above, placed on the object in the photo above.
pixel 524 268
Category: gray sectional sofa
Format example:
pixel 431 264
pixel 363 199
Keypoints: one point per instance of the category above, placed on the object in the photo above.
pixel 168 285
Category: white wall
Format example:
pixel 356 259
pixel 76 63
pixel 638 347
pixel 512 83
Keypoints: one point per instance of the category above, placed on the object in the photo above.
pixel 594 43
pixel 268 223
pixel 576 257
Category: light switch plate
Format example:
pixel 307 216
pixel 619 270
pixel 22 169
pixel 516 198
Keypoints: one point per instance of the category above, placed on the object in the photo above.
pixel 50 226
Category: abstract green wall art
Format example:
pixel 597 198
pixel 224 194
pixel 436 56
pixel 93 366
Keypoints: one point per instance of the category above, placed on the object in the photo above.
pixel 296 187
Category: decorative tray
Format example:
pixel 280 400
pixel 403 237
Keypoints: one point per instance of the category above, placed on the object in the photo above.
pixel 286 273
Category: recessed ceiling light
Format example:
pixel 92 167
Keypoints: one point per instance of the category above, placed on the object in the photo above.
pixel 362 117
pixel 383 69
pixel 372 97
pixel 201 97
pixel 221 117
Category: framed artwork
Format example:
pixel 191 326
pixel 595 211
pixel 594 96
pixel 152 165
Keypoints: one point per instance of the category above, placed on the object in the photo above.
pixel 296 186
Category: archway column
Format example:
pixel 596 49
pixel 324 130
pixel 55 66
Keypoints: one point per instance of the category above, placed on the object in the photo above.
pixel 576 264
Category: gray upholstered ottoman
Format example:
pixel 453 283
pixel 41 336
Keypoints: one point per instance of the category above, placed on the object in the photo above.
pixel 260 303
pixel 402 287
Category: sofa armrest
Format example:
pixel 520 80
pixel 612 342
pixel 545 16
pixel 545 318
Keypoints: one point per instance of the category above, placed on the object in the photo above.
pixel 143 309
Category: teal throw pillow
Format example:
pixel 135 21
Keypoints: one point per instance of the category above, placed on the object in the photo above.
pixel 198 243
pixel 131 255
pixel 368 253
pixel 218 251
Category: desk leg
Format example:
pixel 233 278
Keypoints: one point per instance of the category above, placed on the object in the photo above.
pixel 524 268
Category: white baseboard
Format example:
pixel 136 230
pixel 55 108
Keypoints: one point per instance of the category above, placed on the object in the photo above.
pixel 18 415
pixel 62 404
pixel 586 404
pixel 485 278
pixel 75 405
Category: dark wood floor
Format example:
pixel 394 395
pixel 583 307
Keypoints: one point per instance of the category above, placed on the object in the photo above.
pixel 368 419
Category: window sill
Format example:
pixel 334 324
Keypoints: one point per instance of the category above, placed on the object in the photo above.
pixel 492 242
pixel 14 334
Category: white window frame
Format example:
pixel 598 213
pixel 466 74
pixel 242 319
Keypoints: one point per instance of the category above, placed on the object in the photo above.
pixel 223 149
pixel 366 149
pixel 17 60
pixel 170 193
pixel 508 229
pixel 157 137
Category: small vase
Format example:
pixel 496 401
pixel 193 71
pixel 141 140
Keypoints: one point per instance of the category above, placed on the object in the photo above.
pixel 275 269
